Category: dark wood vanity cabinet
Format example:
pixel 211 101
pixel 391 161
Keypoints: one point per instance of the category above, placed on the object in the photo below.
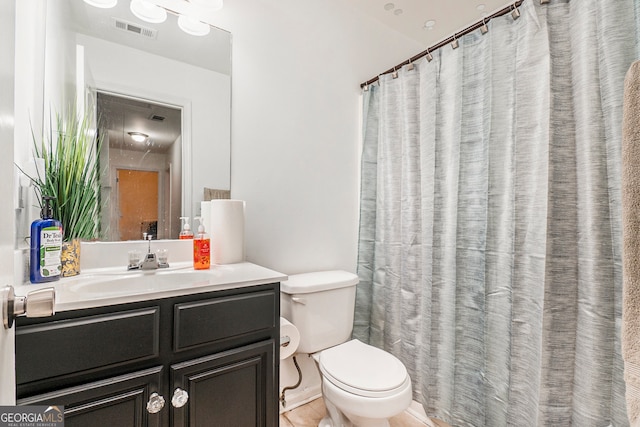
pixel 198 360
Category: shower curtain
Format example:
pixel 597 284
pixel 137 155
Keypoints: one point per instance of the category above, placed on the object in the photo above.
pixel 490 222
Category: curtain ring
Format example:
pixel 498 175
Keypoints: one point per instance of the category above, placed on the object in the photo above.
pixel 515 14
pixel 429 56
pixel 394 74
pixel 410 65
pixel 454 43
pixel 484 29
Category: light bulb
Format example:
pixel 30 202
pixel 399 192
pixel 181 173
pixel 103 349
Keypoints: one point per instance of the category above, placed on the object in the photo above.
pixel 148 11
pixel 138 136
pixel 102 4
pixel 193 26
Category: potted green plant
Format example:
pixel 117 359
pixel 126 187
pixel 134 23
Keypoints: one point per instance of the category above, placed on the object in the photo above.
pixel 69 149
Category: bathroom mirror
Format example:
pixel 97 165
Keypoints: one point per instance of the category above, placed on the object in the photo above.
pixel 161 75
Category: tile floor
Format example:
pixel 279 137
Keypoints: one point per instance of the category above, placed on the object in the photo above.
pixel 309 415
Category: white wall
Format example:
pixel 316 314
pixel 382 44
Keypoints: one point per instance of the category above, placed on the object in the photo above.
pixel 60 61
pixel 297 67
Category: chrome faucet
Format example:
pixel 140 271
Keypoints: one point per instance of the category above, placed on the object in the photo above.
pixel 150 261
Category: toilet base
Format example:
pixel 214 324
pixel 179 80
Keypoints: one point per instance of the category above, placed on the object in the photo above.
pixel 357 411
pixel 335 418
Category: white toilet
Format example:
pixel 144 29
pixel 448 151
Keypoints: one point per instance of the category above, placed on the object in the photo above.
pixel 362 386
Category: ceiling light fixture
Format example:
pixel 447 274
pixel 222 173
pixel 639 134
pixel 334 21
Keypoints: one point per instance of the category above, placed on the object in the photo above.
pixel 138 136
pixel 148 11
pixel 192 26
pixel 429 24
pixel 102 4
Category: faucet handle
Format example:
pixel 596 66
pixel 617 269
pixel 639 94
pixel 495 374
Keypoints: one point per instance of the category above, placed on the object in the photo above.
pixel 148 237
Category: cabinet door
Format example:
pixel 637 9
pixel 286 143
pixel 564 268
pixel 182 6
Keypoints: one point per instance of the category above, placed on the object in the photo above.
pixel 229 389
pixel 120 401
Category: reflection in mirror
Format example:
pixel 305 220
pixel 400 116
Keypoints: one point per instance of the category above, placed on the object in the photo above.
pixel 141 160
pixel 96 54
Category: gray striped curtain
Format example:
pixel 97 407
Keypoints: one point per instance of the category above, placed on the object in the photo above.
pixel 490 228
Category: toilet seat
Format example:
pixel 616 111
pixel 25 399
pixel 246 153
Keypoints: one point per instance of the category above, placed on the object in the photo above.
pixel 363 370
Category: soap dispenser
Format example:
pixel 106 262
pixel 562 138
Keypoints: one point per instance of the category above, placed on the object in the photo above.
pixel 201 248
pixel 45 263
pixel 186 232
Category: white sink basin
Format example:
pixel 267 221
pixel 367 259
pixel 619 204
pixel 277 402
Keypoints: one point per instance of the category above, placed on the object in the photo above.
pixel 140 282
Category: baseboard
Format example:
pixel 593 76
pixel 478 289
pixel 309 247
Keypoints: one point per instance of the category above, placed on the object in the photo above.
pixel 296 398
pixel 417 411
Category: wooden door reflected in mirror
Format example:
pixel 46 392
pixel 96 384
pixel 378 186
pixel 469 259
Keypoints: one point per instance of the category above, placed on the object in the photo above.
pixel 137 203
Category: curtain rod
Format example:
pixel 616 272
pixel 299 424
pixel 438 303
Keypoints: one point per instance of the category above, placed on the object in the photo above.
pixel 473 27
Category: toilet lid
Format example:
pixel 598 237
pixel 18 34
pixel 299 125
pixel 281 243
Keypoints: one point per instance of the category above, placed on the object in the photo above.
pixel 362 369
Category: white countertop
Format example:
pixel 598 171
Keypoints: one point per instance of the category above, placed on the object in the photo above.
pixel 110 286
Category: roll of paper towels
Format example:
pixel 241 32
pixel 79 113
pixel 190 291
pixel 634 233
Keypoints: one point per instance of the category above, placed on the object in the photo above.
pixel 224 222
pixel 289 338
pixel 205 214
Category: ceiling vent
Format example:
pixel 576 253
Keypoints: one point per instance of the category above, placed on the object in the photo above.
pixel 157 118
pixel 130 27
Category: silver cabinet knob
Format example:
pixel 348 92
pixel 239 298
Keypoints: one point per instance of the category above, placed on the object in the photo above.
pixel 155 403
pixel 39 303
pixel 180 398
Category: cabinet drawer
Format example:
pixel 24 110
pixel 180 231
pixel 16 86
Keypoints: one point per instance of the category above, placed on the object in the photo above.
pixel 205 322
pixel 119 401
pixel 90 343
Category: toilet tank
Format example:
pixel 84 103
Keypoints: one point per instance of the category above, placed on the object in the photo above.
pixel 321 306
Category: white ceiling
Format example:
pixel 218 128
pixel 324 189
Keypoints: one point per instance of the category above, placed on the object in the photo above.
pixel 408 17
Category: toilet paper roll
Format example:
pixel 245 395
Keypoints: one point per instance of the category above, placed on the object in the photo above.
pixel 224 221
pixel 289 338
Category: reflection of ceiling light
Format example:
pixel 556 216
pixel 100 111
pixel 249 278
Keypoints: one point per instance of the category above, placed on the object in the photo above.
pixel 211 5
pixel 193 26
pixel 103 4
pixel 148 11
pixel 138 136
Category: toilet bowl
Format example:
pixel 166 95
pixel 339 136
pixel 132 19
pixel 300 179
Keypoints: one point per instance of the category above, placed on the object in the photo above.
pixel 362 386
